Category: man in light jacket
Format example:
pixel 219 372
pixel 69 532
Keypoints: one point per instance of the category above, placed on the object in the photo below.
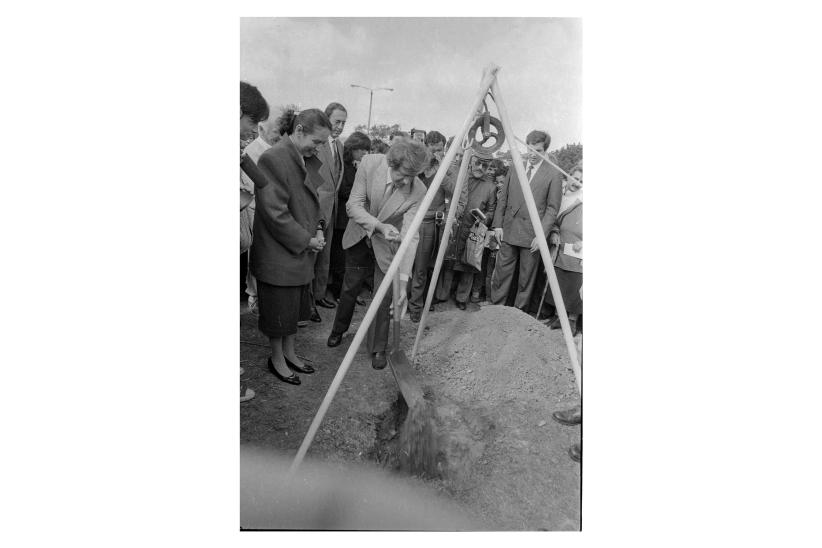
pixel 383 202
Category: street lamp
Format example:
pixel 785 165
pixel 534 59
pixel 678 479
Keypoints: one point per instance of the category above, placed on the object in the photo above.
pixel 371 100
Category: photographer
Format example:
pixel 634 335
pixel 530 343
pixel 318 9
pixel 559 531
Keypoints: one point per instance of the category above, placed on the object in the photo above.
pixel 478 194
pixel 431 225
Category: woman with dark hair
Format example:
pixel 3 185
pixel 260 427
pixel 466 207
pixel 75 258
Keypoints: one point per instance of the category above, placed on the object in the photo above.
pixel 253 110
pixel 355 147
pixel 288 232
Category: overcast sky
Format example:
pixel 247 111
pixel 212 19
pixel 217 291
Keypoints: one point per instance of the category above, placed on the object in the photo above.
pixel 434 66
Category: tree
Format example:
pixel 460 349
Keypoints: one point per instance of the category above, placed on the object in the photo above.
pixel 378 131
pixel 568 156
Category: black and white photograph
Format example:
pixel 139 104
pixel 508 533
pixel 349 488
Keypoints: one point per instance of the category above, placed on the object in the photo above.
pixel 411 274
pixel 409 327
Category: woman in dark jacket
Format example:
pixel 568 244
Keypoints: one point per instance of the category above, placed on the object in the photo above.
pixel 356 146
pixel 288 234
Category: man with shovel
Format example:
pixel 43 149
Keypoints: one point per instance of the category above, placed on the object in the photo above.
pixel 383 202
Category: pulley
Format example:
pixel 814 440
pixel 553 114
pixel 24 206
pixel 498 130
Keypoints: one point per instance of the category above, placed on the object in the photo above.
pixel 486 128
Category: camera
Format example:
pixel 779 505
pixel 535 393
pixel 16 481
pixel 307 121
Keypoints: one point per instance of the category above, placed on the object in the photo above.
pixel 478 215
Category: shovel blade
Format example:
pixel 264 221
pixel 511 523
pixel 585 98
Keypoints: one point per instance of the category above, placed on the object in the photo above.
pixel 404 375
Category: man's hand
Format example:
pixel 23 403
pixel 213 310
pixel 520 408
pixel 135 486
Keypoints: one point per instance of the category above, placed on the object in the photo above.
pixel 498 234
pixel 577 246
pixel 553 239
pixel 316 245
pixel 402 298
pixel 321 236
pixel 535 244
pixel 389 232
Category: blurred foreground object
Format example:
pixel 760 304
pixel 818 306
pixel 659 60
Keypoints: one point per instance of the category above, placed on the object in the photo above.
pixel 334 497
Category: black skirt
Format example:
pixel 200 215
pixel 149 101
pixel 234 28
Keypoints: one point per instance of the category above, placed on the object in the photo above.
pixel 569 285
pixel 282 307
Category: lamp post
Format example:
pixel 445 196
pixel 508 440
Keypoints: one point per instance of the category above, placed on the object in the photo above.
pixel 370 100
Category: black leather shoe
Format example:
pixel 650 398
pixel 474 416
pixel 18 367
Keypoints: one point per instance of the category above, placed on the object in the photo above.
pixel 415 317
pixel 325 303
pixel 460 305
pixel 570 417
pixel 378 360
pixel 307 369
pixel 431 308
pixel 292 379
pixel 315 316
pixel 334 339
pixel 575 452
pixel 360 301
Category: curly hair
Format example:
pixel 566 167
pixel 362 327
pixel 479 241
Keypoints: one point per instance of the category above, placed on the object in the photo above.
pixel 309 119
pixel 409 152
pixel 252 103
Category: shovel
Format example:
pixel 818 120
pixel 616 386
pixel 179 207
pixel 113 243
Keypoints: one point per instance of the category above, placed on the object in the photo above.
pixel 400 366
pixel 418 443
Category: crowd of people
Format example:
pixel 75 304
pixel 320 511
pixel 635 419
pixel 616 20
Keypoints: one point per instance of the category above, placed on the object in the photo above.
pixel 321 221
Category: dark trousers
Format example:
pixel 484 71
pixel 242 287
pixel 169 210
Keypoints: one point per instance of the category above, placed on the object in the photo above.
pixel 464 284
pixel 489 261
pixel 322 265
pixel 423 265
pixel 337 271
pixel 359 263
pixel 508 257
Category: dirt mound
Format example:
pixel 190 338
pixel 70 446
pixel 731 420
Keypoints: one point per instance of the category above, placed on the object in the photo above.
pixel 495 376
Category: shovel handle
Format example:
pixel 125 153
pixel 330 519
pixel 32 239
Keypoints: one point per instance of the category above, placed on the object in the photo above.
pixel 395 296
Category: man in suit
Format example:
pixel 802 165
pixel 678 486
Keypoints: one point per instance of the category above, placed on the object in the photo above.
pixel 512 224
pixel 383 202
pixel 330 154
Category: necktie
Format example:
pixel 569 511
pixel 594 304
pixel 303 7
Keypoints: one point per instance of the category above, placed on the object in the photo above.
pixel 337 161
pixel 389 190
pixel 530 171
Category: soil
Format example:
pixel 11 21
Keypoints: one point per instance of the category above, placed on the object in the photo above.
pixel 492 375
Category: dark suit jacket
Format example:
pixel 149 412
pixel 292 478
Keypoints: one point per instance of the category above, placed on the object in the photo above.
pixel 343 194
pixel 332 177
pixel 512 213
pixel 287 215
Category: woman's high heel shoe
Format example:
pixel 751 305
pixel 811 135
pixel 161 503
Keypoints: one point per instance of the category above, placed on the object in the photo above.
pixel 291 379
pixel 307 369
